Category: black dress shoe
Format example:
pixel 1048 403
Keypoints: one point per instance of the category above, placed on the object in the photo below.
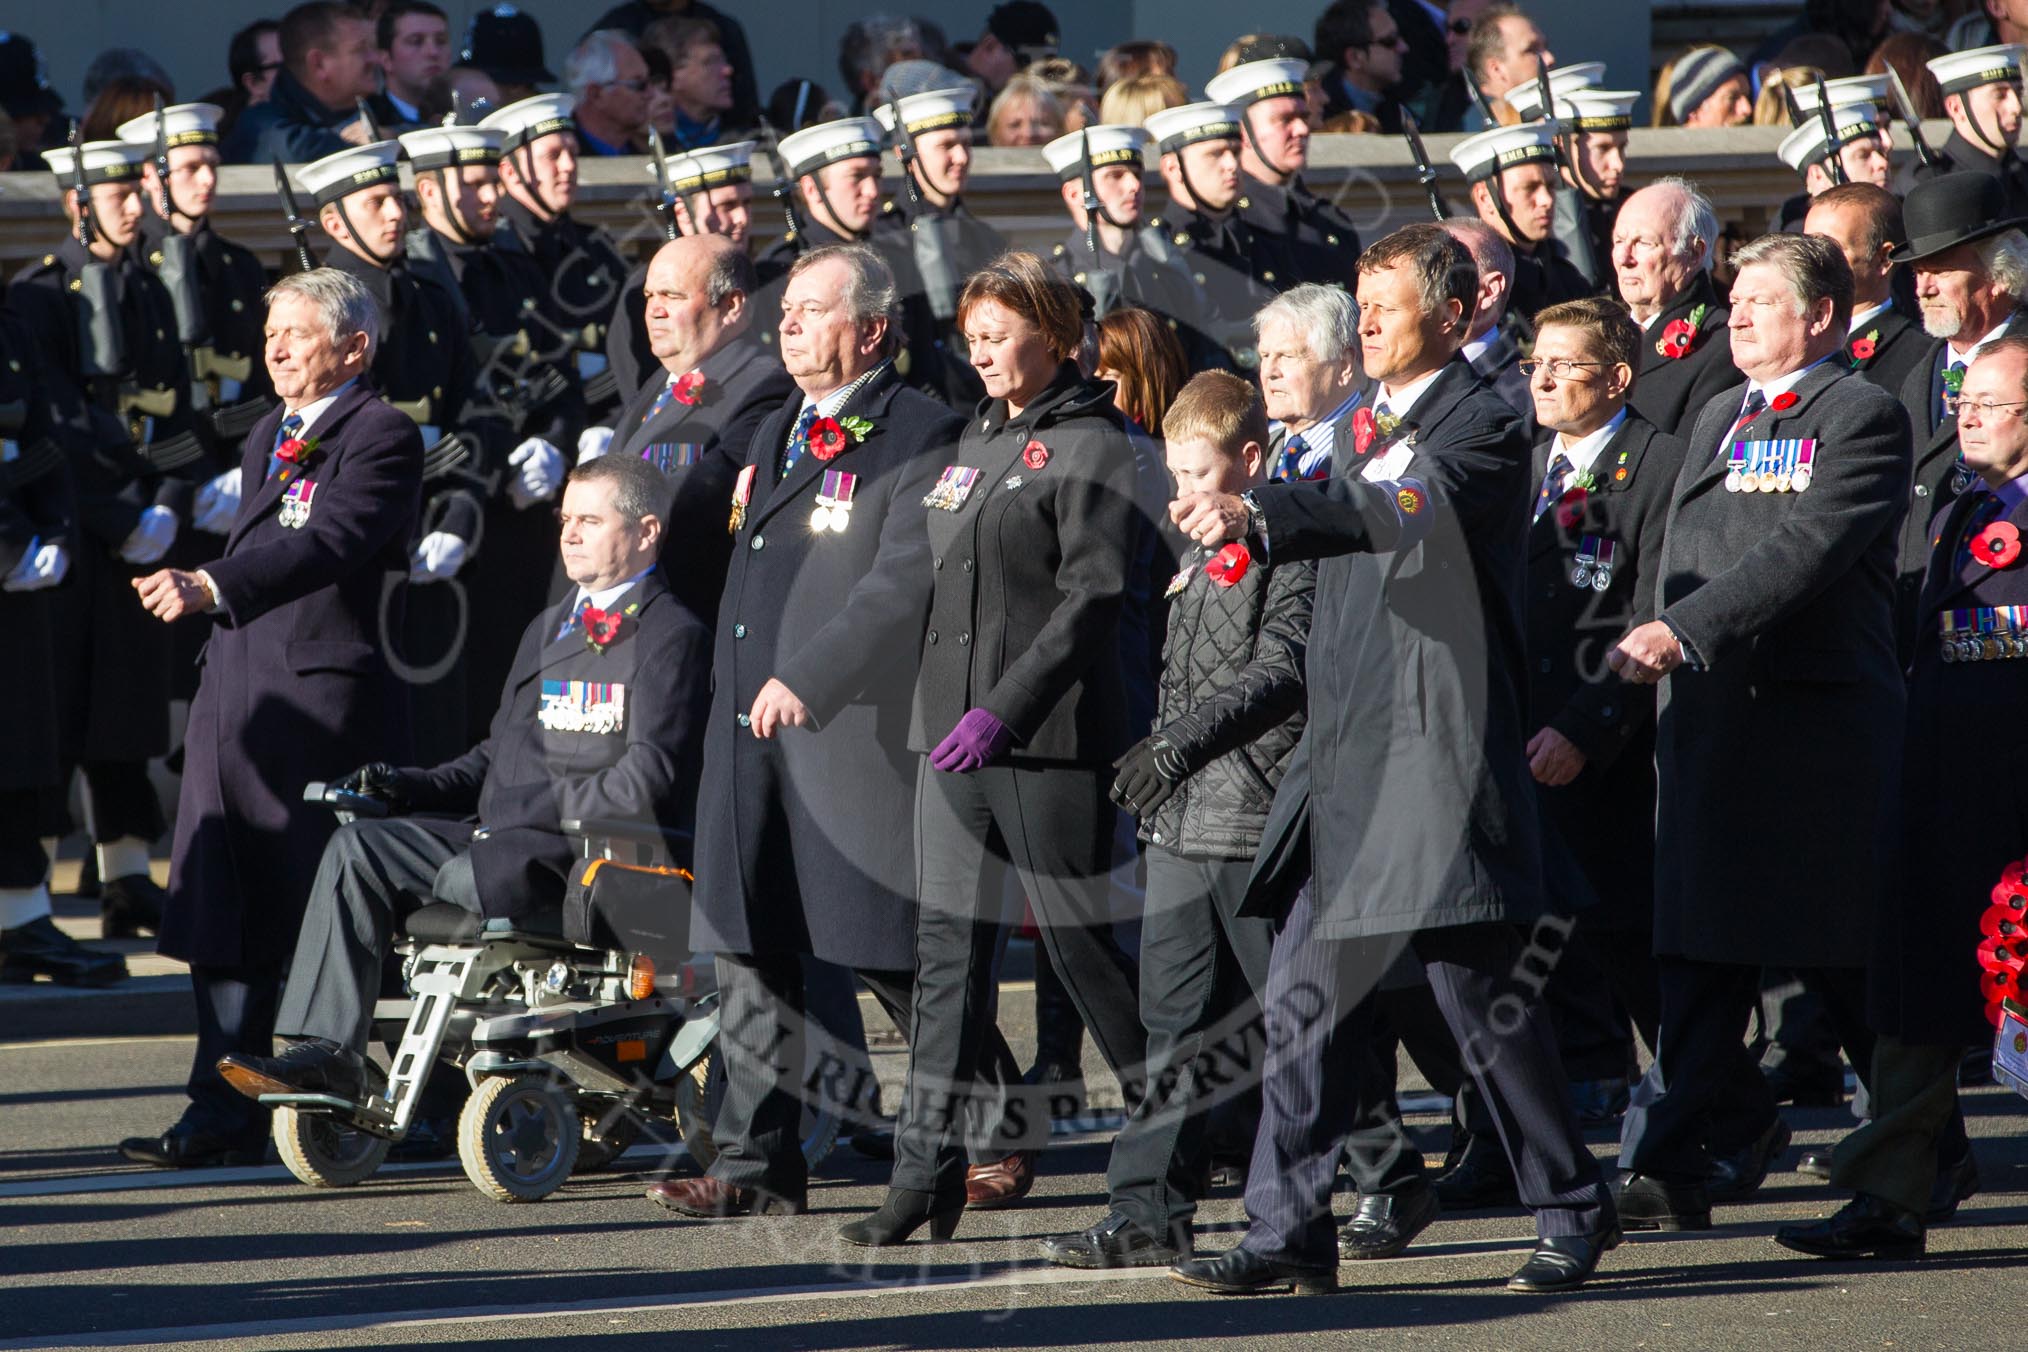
pixel 1865 1227
pixel 1597 1102
pixel 1242 1272
pixel 1114 1242
pixel 1481 1179
pixel 1386 1223
pixel 1955 1181
pixel 129 905
pixel 1562 1262
pixel 1819 1087
pixel 1648 1203
pixel 39 948
pixel 1738 1175
pixel 1815 1163
pixel 192 1150
pixel 310 1065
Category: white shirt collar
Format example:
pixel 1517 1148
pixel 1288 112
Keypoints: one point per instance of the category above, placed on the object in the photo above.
pixel 1583 453
pixel 316 408
pixel 1649 322
pixel 1861 318
pixel 1320 439
pixel 1476 347
pixel 828 406
pixel 1400 401
pixel 1954 353
pixel 1781 385
pixel 409 112
pixel 603 599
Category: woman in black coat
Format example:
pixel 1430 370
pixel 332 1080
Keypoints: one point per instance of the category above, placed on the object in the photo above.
pixel 1020 710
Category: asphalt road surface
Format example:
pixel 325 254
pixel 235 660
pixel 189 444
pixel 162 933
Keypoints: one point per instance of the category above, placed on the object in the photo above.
pixel 95 1252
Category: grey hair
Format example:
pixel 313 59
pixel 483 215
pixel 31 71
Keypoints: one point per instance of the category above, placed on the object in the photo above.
pixel 870 294
pixel 342 300
pixel 2005 258
pixel 1813 266
pixel 1325 317
pixel 595 60
pixel 1696 219
pixel 868 42
pixel 638 487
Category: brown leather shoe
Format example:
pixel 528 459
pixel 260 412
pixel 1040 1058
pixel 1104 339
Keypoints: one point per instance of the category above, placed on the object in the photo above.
pixel 708 1199
pixel 1001 1183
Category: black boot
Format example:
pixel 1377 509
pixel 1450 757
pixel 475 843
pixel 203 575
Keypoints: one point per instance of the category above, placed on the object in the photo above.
pixel 39 948
pixel 129 905
pixel 904 1211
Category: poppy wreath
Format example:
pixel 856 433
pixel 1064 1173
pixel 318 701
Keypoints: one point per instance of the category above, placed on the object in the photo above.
pixel 1229 565
pixel 830 436
pixel 1679 336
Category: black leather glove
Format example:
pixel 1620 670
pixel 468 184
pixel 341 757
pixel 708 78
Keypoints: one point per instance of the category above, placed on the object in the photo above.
pixel 377 780
pixel 1149 774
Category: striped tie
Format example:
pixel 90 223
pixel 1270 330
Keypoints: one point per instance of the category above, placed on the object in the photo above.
pixel 292 427
pixel 1552 483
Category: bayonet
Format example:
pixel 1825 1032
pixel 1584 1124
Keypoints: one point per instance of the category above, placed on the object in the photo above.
pixel 1906 107
pixel 1424 173
pixel 163 199
pixel 298 227
pixel 366 120
pixel 666 206
pixel 1098 282
pixel 81 194
pixel 785 183
pixel 1830 123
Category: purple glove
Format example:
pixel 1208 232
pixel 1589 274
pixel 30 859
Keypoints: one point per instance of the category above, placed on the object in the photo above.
pixel 978 738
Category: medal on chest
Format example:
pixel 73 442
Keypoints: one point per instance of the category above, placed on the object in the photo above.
pixel 1594 563
pixel 834 502
pixel 583 706
pixel 952 487
pixel 669 456
pixel 295 509
pixel 1771 466
pixel 742 493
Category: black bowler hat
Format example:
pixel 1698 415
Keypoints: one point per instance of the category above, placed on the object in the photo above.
pixel 507 45
pixel 1952 209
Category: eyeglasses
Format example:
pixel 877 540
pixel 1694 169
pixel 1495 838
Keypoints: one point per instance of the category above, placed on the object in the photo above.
pixel 1985 408
pixel 1563 368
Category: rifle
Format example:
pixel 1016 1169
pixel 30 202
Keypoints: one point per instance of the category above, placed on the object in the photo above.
pixel 1479 101
pixel 178 271
pixel 1424 173
pixel 926 239
pixel 785 183
pixel 1837 161
pixel 81 195
pixel 665 207
pixel 1906 107
pixel 102 338
pixel 298 227
pixel 1568 226
pixel 1099 282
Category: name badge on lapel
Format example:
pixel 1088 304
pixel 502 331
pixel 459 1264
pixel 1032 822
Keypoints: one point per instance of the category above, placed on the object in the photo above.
pixel 295 509
pixel 1594 563
pixel 672 455
pixel 742 493
pixel 583 706
pixel 952 487
pixel 1771 466
pixel 834 502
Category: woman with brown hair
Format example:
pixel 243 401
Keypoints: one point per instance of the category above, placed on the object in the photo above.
pixel 124 98
pixel 1140 354
pixel 1020 709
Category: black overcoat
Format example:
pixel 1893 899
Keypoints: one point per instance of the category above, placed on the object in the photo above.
pixel 294 684
pixel 1898 344
pixel 1669 391
pixel 805 840
pixel 1779 749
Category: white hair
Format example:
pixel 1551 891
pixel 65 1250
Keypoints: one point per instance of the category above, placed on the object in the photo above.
pixel 342 301
pixel 595 60
pixel 1695 219
pixel 2005 258
pixel 1325 317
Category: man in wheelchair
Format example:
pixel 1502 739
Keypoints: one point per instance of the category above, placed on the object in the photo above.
pixel 602 717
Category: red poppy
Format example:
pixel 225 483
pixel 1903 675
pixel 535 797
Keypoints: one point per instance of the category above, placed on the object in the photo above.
pixel 1863 349
pixel 687 388
pixel 827 438
pixel 1677 335
pixel 1998 545
pixel 1785 401
pixel 294 450
pixel 1035 455
pixel 1364 430
pixel 1229 564
pixel 1570 507
pixel 601 627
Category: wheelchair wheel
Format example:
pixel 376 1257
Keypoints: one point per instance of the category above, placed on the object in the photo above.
pixel 518 1137
pixel 609 1129
pixel 700 1092
pixel 324 1151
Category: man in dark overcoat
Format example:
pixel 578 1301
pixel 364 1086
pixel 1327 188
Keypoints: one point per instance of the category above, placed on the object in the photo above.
pixel 1885 338
pixel 1662 243
pixel 695 419
pixel 294 686
pixel 1911 1164
pixel 1414 817
pixel 809 788
pixel 1775 625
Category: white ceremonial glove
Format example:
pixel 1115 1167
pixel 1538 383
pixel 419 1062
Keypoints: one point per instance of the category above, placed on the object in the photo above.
pixel 151 538
pixel 42 566
pixel 541 466
pixel 217 504
pixel 437 558
pixel 593 442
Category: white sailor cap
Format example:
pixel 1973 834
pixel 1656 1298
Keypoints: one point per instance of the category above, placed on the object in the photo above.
pixel 104 162
pixel 526 120
pixel 451 147
pixel 1111 143
pixel 1174 128
pixel 183 124
pixel 1605 110
pixel 937 110
pixel 1257 80
pixel 848 138
pixel 351 170
pixel 1486 154
pixel 1526 98
pixel 1846 93
pixel 1980 66
pixel 710 167
pixel 1806 145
